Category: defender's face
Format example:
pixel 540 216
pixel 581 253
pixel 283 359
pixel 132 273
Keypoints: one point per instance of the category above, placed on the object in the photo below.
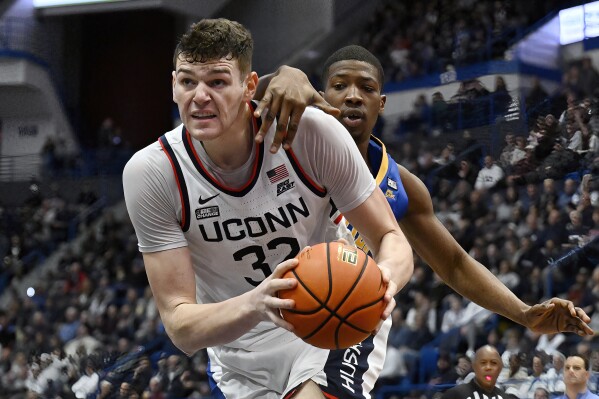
pixel 211 95
pixel 353 87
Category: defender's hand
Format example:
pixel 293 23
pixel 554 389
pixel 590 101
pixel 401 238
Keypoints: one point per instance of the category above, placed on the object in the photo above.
pixel 287 96
pixel 558 315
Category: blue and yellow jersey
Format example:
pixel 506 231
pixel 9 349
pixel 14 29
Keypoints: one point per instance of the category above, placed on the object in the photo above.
pixel 386 173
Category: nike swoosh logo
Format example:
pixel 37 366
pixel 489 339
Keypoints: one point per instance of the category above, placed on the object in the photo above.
pixel 203 201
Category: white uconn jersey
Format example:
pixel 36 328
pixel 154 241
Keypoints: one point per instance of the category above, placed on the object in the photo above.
pixel 236 237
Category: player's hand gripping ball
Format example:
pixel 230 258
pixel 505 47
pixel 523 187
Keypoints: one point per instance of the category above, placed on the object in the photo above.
pixel 338 298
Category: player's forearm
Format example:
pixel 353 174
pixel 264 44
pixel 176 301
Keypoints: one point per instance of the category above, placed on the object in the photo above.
pixel 459 270
pixel 475 282
pixel 395 253
pixel 192 327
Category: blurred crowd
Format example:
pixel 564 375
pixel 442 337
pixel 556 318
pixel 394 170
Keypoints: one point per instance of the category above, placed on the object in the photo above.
pixel 89 328
pixel 575 102
pixel 418 38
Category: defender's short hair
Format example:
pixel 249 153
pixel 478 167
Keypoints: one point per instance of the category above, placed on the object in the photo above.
pixel 353 52
pixel 213 39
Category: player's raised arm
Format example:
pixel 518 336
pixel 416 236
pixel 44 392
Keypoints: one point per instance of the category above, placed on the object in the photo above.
pixel 433 242
pixel 284 95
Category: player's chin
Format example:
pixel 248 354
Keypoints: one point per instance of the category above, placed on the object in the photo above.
pixel 202 133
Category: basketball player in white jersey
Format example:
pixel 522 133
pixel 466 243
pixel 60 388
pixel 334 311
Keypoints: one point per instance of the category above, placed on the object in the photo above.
pixel 219 219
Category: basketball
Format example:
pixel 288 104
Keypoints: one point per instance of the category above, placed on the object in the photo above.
pixel 339 296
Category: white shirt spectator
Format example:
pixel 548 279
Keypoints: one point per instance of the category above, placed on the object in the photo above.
pixel 555 375
pixel 453 315
pixel 575 142
pixel 549 343
pixel 488 176
pixel 86 385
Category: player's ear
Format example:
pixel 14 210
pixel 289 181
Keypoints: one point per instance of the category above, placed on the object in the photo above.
pixel 251 84
pixel 383 101
pixel 321 93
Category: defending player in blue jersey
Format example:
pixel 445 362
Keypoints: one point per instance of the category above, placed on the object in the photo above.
pixel 353 80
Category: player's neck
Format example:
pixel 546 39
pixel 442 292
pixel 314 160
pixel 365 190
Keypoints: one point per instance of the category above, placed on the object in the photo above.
pixel 363 147
pixel 232 149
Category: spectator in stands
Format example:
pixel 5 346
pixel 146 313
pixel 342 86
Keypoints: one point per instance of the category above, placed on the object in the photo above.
pixel 12 381
pixel 523 166
pixel 487 366
pixel 512 377
pixel 453 315
pixel 409 341
pixel 505 158
pixel 546 131
pixel 594 372
pixel 514 344
pixel 576 226
pixel 554 229
pixel 536 379
pixel 470 148
pixel 549 344
pixel 88 382
pixel 469 328
pixel 573 137
pixel 439 112
pixel 68 329
pixel 390 371
pixel 476 208
pixel 576 378
pixel 555 374
pixel 467 171
pixel 142 374
pixel 154 390
pixel 566 194
pixel 489 176
pixel 447 155
pixel 421 305
pixel 541 393
pixel 408 156
pixel 84 340
pixel 548 196
pixel 507 275
pixel 173 381
pixel 519 152
pixel 464 369
pixel 593 151
pixel 419 116
pixel 579 291
pixel 445 372
pixel 556 165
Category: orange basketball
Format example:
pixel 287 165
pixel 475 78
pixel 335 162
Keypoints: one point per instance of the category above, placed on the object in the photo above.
pixel 339 296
